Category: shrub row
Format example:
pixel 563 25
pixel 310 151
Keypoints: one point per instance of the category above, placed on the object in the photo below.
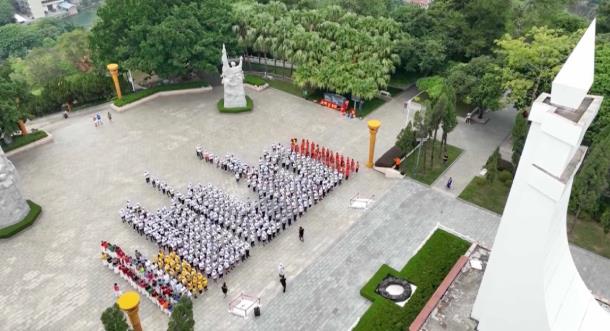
pixel 426 270
pixel 29 219
pixel 19 141
pixel 129 98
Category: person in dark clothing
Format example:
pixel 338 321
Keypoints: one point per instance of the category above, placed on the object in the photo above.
pixel 224 289
pixel 283 282
pixel 301 233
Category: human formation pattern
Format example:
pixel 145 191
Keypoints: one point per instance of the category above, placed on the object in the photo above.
pixel 214 231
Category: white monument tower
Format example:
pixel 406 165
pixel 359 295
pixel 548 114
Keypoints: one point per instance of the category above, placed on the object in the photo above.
pixel 233 82
pixel 13 208
pixel 531 282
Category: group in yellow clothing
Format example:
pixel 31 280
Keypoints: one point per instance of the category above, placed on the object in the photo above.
pixel 191 278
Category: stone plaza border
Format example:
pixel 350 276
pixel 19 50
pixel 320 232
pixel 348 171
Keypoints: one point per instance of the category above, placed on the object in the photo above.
pixel 257 88
pixel 160 94
pixel 34 144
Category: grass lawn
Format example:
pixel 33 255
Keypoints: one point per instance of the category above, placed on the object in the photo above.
pixel 254 80
pixel 132 97
pixel 431 173
pixel 29 219
pixel 589 235
pixel 426 270
pixel 20 141
pixel 488 195
pixel 248 107
pixel 370 106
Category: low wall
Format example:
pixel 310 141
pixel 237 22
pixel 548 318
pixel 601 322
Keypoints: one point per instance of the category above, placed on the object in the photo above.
pixel 160 94
pixel 389 172
pixel 257 88
pixel 40 142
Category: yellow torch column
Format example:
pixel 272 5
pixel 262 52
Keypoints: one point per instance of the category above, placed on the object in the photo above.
pixel 129 302
pixel 113 68
pixel 373 128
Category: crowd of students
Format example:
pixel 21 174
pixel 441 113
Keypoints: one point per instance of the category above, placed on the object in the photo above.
pixel 213 231
pixel 150 280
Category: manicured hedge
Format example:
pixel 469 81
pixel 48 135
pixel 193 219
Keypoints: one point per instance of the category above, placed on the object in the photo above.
pixel 129 98
pixel 29 219
pixel 426 270
pixel 20 141
pixel 248 107
pixel 255 80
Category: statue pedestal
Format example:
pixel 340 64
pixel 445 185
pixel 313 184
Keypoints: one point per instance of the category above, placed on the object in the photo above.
pixel 13 207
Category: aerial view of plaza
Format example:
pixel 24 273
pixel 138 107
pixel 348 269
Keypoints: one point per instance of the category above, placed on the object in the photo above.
pixel 368 165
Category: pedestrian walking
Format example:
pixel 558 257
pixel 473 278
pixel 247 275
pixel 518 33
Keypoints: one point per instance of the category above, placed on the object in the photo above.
pixel 116 290
pixel 283 282
pixel 65 114
pixel 301 233
pixel 224 288
pixel 109 117
pixel 281 270
pixel 449 183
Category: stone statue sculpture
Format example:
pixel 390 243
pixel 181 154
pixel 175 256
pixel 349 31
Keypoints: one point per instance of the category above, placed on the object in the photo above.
pixel 233 82
pixel 13 208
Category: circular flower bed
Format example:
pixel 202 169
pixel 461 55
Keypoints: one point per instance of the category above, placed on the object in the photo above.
pixel 395 289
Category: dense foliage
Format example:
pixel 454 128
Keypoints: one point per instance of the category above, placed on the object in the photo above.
pixel 182 316
pixel 169 38
pixel 426 270
pixel 113 319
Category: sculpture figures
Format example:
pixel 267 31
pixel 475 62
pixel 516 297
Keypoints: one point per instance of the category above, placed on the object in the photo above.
pixel 233 82
pixel 13 208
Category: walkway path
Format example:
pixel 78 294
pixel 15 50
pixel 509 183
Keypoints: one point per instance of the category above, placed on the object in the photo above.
pixel 478 142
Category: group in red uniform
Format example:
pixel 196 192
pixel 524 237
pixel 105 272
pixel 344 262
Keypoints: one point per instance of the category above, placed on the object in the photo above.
pixel 342 164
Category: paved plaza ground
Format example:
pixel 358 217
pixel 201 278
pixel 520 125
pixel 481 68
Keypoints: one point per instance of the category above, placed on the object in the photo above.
pixel 53 278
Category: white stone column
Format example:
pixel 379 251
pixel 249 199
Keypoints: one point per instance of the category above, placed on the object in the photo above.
pixel 13 207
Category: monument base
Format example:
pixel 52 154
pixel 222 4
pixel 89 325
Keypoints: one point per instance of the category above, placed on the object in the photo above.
pixel 28 220
pixel 248 107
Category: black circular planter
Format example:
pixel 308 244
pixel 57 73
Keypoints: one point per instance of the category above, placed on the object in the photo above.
pixel 382 289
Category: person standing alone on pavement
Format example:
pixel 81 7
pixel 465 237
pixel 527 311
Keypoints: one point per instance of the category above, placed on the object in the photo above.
pixel 280 269
pixel 224 289
pixel 116 290
pixel 283 282
pixel 301 233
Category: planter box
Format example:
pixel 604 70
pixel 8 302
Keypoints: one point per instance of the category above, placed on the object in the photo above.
pixel 160 94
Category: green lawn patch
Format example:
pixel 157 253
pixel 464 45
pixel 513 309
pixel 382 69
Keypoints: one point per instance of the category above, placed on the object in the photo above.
pixel 486 194
pixel 29 219
pixel 370 106
pixel 129 98
pixel 20 141
pixel 432 172
pixel 589 235
pixel 426 270
pixel 402 79
pixel 254 80
pixel 248 107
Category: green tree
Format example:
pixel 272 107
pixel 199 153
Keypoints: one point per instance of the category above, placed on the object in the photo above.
pixel 492 166
pixel 114 319
pixel 182 316
pixel 531 62
pixel 603 16
pixel 406 139
pixel 170 38
pixel 519 134
pixel 592 180
pixel 487 21
pixel 478 83
pixel 12 99
pixel 17 39
pixel 6 12
pixel 605 221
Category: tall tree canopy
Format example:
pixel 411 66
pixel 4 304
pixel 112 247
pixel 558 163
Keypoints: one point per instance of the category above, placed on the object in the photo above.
pixel 333 49
pixel 532 61
pixel 18 39
pixel 170 38
pixel 6 12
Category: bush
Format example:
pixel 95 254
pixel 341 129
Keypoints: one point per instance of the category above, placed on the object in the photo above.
pixel 248 107
pixel 114 319
pixel 505 176
pixel 129 98
pixel 28 220
pixel 255 80
pixel 20 141
pixel 426 270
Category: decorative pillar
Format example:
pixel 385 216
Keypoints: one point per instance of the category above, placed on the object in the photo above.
pixel 129 302
pixel 373 128
pixel 113 68
pixel 13 207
